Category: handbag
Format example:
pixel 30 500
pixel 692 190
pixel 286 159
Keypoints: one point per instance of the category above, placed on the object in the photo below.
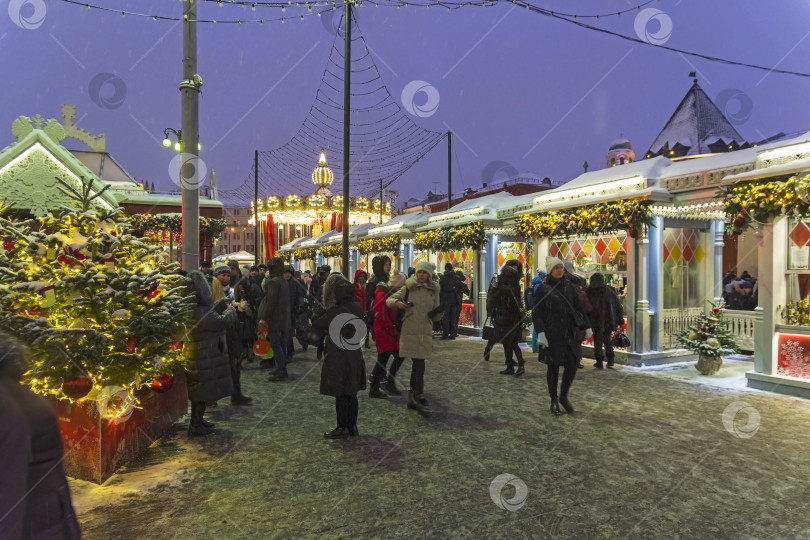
pixel 488 331
pixel 400 316
pixel 620 340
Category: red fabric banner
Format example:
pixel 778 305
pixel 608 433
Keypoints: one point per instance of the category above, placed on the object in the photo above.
pixel 339 221
pixel 270 235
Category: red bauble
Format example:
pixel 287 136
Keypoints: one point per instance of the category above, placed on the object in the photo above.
pixel 176 345
pixel 739 222
pixel 8 245
pixel 261 347
pixel 703 329
pixel 130 344
pixel 162 383
pixel 716 310
pixel 633 233
pixel 77 387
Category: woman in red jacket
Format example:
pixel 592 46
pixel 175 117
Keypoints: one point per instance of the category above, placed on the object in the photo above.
pixel 386 337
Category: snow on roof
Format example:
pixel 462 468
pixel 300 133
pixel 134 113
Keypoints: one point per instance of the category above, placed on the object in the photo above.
pixel 715 161
pixel 289 246
pixel 696 123
pixel 791 167
pixel 319 240
pixel 480 209
pixel 397 225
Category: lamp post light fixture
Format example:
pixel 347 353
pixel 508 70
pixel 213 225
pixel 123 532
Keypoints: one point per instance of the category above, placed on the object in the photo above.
pixel 167 142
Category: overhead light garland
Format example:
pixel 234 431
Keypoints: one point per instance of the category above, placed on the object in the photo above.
pixel 452 237
pixel 760 201
pixel 629 215
pixel 382 244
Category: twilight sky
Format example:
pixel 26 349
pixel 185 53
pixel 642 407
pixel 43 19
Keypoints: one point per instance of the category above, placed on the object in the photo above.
pixel 539 94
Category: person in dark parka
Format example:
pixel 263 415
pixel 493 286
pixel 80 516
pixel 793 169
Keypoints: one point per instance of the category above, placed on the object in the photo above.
pixel 507 306
pixel 343 373
pixel 606 316
pixel 316 299
pixel 558 316
pixel 463 290
pixel 493 284
pixel 206 349
pixel 450 297
pixel 275 311
pixel 34 494
pixel 296 300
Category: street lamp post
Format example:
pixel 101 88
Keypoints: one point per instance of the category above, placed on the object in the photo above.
pixel 189 157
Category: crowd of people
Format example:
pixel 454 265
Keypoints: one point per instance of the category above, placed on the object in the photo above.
pixel 401 314
pixel 740 292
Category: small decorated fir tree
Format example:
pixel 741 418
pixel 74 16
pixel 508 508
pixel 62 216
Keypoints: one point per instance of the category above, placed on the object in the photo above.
pixel 93 303
pixel 710 339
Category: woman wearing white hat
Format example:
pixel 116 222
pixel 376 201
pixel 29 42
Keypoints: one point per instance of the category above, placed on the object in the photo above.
pixel 558 316
pixel 420 300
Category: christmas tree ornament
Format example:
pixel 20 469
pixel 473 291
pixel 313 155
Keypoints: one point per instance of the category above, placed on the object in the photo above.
pixel 121 314
pixel 109 263
pixel 131 344
pixel 115 404
pixel 50 296
pixel 162 383
pixel 8 245
pixel 77 386
pixel 50 253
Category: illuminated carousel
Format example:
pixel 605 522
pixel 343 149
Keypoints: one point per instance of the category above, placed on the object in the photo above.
pixel 285 218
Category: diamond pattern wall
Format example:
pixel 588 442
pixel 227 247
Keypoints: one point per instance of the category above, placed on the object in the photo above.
pixel 600 249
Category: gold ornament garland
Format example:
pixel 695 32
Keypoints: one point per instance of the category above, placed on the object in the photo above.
pixel 383 244
pixel 452 238
pixel 334 250
pixel 630 215
pixel 760 201
pixel 304 253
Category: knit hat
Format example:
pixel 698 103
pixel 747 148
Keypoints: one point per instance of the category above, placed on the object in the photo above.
pixel 221 269
pixel 551 262
pixel 542 274
pixel 426 266
pixel 397 279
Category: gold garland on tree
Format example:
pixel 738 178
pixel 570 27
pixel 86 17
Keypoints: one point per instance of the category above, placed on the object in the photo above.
pixel 382 244
pixel 452 237
pixel 760 201
pixel 286 256
pixel 155 223
pixel 304 253
pixel 629 215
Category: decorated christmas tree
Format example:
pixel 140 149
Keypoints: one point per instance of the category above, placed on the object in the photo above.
pixel 92 302
pixel 710 339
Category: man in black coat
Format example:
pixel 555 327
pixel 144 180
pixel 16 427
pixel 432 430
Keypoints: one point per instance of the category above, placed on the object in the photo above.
pixel 463 290
pixel 450 298
pixel 297 293
pixel 380 269
pixel 275 311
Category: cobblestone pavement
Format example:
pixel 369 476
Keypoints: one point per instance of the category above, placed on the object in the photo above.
pixel 642 457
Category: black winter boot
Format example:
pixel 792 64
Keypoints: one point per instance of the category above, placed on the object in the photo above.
pixel 566 404
pixel 197 425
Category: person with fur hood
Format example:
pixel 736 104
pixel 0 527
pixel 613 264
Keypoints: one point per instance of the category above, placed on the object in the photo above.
pixel 206 349
pixel 343 373
pixel 558 318
pixel 420 300
pixel 386 338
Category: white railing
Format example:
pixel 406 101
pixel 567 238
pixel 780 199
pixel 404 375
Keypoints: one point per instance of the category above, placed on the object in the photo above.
pixel 741 324
pixel 673 321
